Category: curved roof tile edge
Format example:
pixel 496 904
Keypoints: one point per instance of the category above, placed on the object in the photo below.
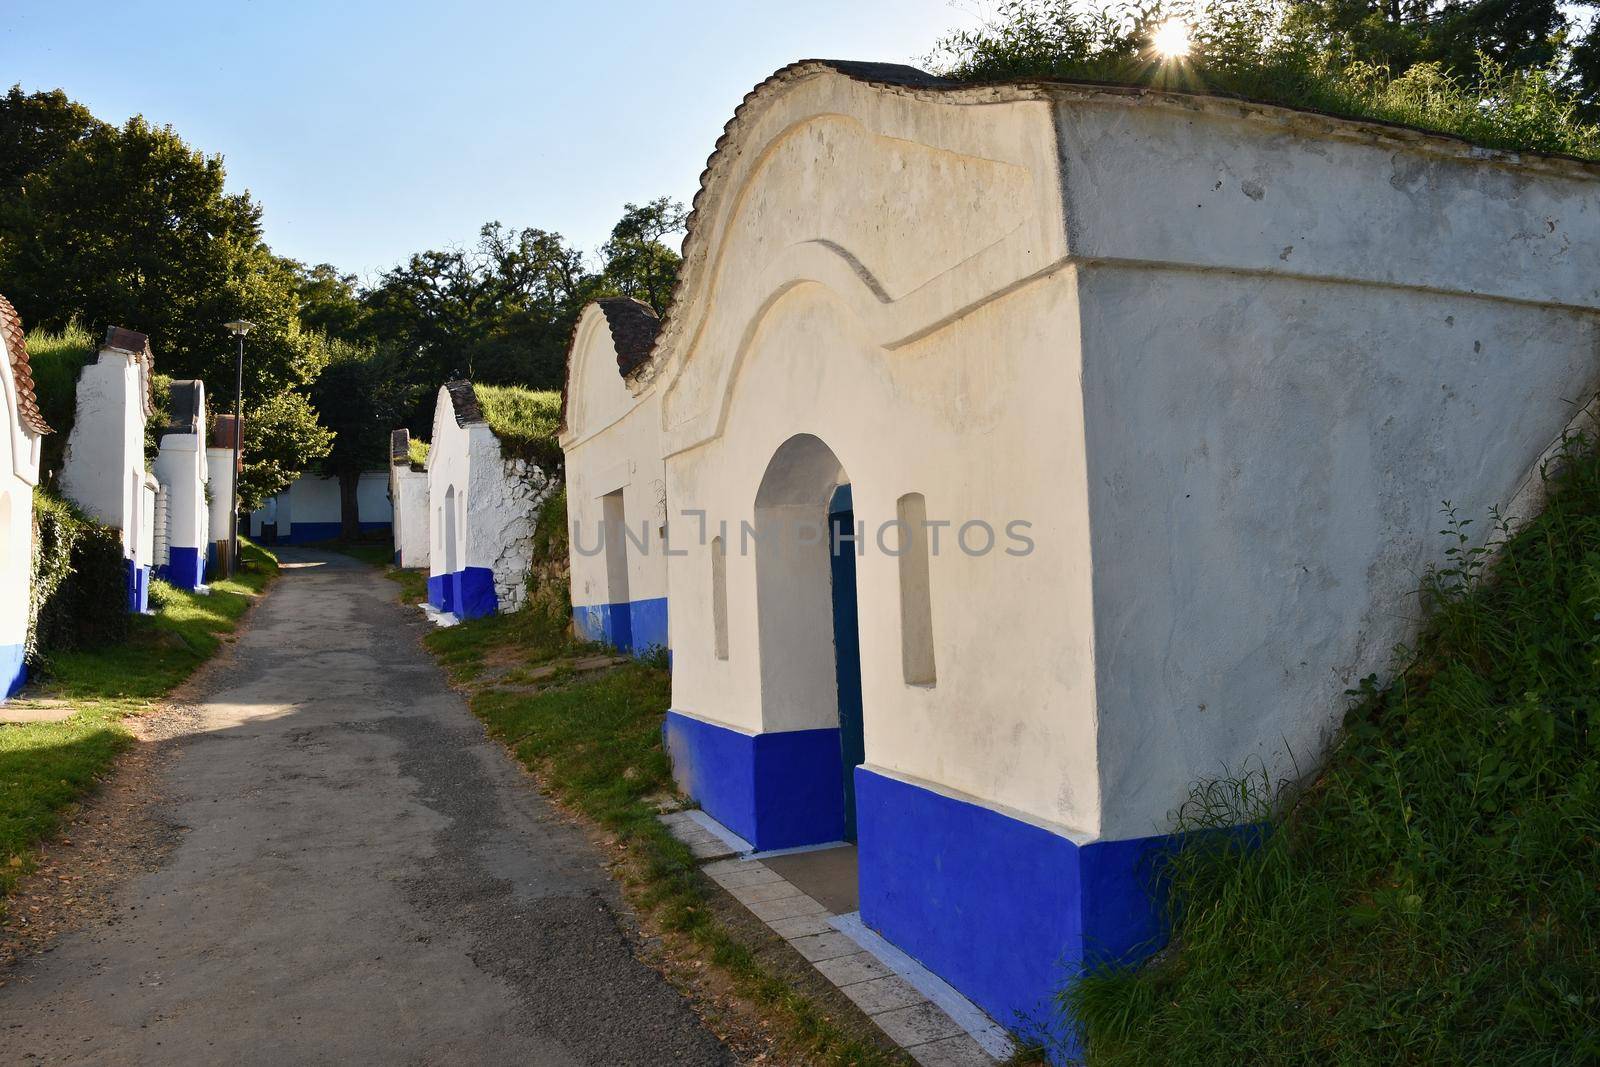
pixel 464 402
pixel 634 327
pixel 21 373
pixel 903 77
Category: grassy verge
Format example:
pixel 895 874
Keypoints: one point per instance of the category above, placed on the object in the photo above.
pixel 1434 897
pixel 46 766
pixel 595 742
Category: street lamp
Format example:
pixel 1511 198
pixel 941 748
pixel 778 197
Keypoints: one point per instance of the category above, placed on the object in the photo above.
pixel 238 327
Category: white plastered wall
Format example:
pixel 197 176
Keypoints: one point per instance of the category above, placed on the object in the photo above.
pixel 19 473
pixel 613 442
pixel 495 505
pixel 408 491
pixel 883 271
pixel 1300 337
pixel 219 474
pixel 181 467
pixel 103 469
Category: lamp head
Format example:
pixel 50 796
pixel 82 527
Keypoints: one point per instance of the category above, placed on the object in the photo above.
pixel 239 327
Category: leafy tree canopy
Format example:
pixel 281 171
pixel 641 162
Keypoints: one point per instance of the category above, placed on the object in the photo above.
pixel 131 227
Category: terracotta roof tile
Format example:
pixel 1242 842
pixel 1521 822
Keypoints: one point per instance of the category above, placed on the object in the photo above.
pixel 17 348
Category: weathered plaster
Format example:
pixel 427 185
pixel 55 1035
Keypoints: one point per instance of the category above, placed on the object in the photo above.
pixel 484 507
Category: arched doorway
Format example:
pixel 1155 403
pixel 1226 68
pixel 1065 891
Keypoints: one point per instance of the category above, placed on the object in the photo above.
pixel 806 608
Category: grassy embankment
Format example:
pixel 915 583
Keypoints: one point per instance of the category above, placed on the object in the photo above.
pixel 46 766
pixel 1434 895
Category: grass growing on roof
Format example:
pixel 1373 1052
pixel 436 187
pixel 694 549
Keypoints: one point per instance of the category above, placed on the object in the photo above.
pixel 525 421
pixel 417 450
pixel 55 359
pixel 45 767
pixel 1258 49
pixel 1434 897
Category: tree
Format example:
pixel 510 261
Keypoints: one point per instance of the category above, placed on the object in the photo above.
pixel 360 396
pixel 330 302
pixel 637 263
pixel 500 312
pixel 131 227
pixel 36 131
pixel 281 438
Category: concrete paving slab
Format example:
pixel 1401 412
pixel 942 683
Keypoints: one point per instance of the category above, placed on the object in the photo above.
pixel 918 1024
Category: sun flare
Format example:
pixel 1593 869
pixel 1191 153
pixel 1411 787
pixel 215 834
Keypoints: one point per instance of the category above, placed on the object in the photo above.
pixel 1171 40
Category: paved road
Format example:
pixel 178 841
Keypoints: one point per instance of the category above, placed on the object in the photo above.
pixel 361 878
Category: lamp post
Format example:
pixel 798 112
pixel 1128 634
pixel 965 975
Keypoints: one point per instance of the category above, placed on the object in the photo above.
pixel 238 327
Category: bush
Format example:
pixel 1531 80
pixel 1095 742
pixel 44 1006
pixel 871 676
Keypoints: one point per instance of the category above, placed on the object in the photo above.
pixel 55 359
pixel 80 591
pixel 1257 49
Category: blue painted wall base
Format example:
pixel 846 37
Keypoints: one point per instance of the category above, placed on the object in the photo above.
pixel 301 533
pixel 138 587
pixel 13 669
pixel 185 568
pixel 1005 911
pixel 468 594
pixel 775 790
pixel 635 627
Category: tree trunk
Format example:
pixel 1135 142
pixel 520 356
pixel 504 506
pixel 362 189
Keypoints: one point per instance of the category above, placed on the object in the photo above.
pixel 349 507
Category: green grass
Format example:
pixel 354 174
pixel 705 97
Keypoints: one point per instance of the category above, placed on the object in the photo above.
pixel 1256 49
pixel 525 420
pixel 55 359
pixel 413 584
pixel 594 739
pixel 1434 896
pixel 417 449
pixel 45 767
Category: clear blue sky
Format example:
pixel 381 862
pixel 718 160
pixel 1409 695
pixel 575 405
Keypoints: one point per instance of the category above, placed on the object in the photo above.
pixel 370 130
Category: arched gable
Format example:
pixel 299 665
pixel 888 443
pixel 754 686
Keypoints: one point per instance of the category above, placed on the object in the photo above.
pixel 611 345
pixel 914 199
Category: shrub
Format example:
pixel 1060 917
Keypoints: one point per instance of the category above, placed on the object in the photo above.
pixel 1256 49
pixel 80 592
pixel 55 360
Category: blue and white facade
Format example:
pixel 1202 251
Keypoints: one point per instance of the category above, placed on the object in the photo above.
pixel 1034 452
pixel 183 472
pixel 104 468
pixel 616 480
pixel 20 442
pixel 483 509
pixel 309 510
pixel 408 496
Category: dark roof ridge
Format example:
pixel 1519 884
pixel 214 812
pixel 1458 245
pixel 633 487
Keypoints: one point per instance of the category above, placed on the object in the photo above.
pixel 464 402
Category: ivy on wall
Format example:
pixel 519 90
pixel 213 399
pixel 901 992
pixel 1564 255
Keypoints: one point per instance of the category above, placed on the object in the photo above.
pixel 79 597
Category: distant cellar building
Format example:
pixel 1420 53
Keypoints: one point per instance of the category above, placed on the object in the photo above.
pixel 616 483
pixel 104 471
pixel 1221 361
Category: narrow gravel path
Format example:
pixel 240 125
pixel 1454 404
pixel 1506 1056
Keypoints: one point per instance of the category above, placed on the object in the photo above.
pixel 360 877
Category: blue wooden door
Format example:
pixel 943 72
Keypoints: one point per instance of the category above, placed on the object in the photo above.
pixel 846 647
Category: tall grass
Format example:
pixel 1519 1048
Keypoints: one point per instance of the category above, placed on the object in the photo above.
pixel 525 421
pixel 1255 49
pixel 55 359
pixel 1434 896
